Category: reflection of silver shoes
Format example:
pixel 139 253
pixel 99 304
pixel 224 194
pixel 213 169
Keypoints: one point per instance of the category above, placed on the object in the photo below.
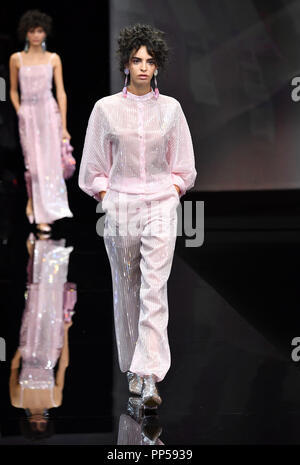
pixel 135 383
pixel 44 229
pixel 150 395
pixel 43 235
pixel 135 408
pixel 151 428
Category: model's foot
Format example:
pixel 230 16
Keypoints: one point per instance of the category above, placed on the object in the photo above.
pixel 150 394
pixel 135 383
pixel 44 227
pixel 135 408
pixel 29 211
pixel 43 235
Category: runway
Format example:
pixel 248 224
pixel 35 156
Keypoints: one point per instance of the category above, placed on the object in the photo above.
pixel 233 314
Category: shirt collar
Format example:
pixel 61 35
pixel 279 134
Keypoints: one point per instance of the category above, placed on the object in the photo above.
pixel 141 97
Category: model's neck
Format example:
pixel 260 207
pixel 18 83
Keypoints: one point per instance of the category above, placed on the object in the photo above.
pixel 35 49
pixel 138 91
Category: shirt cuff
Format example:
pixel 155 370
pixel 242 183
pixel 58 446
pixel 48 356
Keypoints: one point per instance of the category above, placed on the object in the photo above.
pixel 99 184
pixel 180 183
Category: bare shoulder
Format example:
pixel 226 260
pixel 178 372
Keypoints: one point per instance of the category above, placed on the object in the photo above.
pixel 14 55
pixel 14 58
pixel 56 60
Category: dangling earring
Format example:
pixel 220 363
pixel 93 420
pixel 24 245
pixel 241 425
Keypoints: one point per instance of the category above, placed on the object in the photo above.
pixel 126 71
pixel 44 46
pixel 155 82
pixel 26 47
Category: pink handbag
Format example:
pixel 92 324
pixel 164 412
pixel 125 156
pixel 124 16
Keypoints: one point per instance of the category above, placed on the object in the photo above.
pixel 68 161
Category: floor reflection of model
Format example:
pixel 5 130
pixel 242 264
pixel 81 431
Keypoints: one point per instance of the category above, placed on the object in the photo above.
pixel 46 320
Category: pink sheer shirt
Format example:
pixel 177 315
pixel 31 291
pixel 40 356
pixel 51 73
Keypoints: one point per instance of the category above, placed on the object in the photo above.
pixel 137 144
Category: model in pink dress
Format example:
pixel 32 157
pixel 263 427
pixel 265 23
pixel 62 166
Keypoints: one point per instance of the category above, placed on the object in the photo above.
pixel 41 129
pixel 44 330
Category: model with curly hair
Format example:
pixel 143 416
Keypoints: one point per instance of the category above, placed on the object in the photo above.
pixel 138 160
pixel 41 120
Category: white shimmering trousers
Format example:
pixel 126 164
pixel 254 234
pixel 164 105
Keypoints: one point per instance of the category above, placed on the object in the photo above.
pixel 139 237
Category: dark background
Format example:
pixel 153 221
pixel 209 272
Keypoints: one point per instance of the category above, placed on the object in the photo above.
pixel 231 67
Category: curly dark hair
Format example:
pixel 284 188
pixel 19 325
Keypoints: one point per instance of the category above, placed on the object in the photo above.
pixel 31 19
pixel 131 38
pixel 29 432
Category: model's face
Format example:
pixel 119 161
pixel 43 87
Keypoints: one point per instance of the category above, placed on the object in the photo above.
pixel 36 35
pixel 141 63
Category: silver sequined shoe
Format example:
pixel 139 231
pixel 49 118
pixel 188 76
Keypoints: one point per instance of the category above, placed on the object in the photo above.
pixel 135 408
pixel 135 383
pixel 150 394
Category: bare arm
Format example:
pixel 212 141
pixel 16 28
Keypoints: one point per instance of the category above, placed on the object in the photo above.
pixel 15 363
pixel 14 386
pixel 13 76
pixel 60 90
pixel 64 359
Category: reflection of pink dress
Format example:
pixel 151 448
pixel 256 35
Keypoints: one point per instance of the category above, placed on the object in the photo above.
pixel 40 129
pixel 42 330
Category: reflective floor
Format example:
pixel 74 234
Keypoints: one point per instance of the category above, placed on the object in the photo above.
pixel 234 311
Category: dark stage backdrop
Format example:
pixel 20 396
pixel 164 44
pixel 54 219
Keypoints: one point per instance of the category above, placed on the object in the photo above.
pixel 232 66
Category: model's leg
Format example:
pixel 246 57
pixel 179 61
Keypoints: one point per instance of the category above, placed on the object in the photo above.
pixel 29 206
pixel 152 353
pixel 124 257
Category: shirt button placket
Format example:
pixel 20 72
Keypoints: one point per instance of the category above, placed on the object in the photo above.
pixel 142 142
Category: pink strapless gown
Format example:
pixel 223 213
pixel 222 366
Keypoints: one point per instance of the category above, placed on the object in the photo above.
pixel 40 129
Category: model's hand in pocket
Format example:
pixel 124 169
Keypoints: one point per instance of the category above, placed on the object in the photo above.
pixel 102 194
pixel 177 188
